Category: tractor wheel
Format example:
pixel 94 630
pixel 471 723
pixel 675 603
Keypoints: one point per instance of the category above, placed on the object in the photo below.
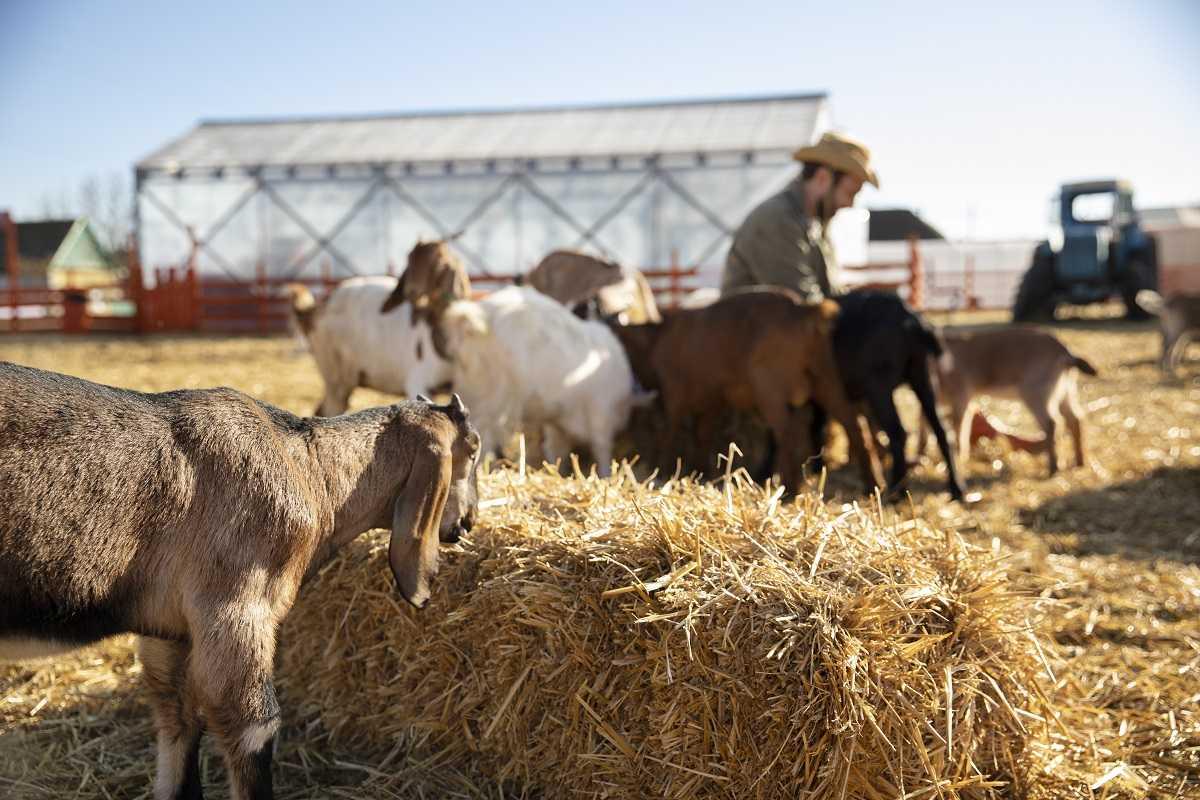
pixel 1035 296
pixel 1139 275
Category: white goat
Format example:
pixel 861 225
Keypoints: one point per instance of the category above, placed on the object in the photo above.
pixel 191 518
pixel 521 358
pixel 354 344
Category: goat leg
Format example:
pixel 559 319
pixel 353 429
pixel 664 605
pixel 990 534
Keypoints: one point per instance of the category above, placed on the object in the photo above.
pixel 164 673
pixel 231 670
pixel 923 388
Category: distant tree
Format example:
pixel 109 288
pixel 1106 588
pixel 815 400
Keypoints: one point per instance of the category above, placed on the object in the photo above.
pixel 108 204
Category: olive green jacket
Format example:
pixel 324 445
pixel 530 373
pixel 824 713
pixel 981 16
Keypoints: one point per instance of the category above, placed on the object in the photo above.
pixel 778 245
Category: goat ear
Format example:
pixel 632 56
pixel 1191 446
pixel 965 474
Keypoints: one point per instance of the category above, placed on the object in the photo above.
pixel 396 297
pixel 457 407
pixel 424 399
pixel 643 398
pixel 416 517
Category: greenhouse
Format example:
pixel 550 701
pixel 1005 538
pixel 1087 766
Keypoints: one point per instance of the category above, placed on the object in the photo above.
pixel 647 184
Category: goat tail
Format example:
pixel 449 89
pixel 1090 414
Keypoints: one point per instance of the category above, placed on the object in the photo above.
pixel 303 306
pixel 1149 301
pixel 926 335
pixel 1083 365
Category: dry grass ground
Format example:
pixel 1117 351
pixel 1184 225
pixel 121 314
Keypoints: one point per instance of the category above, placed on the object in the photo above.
pixel 1114 549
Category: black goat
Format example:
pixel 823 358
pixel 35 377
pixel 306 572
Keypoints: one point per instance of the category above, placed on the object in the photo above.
pixel 880 343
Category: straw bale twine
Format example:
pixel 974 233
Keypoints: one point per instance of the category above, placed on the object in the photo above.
pixel 605 639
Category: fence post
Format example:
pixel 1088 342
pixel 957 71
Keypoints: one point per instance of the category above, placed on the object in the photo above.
pixel 12 256
pixel 916 275
pixel 673 279
pixel 192 295
pixel 969 298
pixel 260 279
pixel 135 290
pixel 74 304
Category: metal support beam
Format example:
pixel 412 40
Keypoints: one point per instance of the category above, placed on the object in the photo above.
pixel 554 206
pixel 197 244
pixel 296 265
pixel 617 208
pixel 295 216
pixel 443 233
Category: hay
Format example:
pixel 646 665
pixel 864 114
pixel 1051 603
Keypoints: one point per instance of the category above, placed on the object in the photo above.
pixel 603 639
pixel 1113 552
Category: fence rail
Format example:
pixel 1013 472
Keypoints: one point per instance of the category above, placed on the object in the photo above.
pixel 177 299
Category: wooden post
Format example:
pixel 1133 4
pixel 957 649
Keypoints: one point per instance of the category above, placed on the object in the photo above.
pixel 674 278
pixel 74 304
pixel 135 289
pixel 260 280
pixel 173 307
pixel 916 275
pixel 970 300
pixel 12 256
pixel 192 298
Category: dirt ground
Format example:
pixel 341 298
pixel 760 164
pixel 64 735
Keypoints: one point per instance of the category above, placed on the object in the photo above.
pixel 1116 545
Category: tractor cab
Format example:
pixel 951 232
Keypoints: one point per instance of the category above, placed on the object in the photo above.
pixel 1096 250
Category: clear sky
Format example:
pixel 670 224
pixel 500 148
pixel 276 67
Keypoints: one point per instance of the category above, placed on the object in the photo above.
pixel 974 114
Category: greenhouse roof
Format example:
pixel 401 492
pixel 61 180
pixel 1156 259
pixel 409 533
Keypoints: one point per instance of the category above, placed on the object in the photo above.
pixel 773 124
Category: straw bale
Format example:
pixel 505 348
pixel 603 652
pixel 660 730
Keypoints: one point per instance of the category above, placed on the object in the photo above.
pixel 605 639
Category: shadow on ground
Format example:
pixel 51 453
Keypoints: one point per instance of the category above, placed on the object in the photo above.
pixel 1153 517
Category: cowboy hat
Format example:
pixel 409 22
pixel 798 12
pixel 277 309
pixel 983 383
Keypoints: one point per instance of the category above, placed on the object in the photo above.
pixel 840 153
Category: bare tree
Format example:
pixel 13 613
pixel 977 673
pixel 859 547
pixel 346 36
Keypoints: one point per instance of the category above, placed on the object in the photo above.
pixel 107 204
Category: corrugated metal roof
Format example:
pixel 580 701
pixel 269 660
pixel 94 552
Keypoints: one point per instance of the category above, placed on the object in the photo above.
pixel 754 124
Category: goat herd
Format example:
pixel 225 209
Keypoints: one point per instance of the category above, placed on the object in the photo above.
pixel 579 343
pixel 192 517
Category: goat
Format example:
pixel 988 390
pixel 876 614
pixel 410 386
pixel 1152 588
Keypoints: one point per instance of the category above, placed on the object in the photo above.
pixel 433 279
pixel 880 343
pixel 574 278
pixel 1179 321
pixel 191 518
pixel 353 347
pixel 521 358
pixel 759 349
pixel 1013 361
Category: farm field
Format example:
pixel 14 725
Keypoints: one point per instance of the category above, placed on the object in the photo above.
pixel 1112 551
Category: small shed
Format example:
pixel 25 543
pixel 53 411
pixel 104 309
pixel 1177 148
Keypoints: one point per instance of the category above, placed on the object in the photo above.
pixel 57 252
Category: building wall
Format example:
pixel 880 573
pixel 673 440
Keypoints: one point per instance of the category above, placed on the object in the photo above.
pixel 680 205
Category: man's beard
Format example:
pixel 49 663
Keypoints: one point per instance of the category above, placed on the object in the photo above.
pixel 826 208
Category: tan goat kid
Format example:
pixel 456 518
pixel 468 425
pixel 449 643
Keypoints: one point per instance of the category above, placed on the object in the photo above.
pixel 191 518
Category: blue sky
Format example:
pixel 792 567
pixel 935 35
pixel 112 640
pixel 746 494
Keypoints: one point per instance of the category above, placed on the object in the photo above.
pixel 974 115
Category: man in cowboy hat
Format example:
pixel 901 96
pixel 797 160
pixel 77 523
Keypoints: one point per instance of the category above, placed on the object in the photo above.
pixel 783 241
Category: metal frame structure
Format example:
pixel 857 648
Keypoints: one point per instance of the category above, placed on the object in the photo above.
pixel 278 196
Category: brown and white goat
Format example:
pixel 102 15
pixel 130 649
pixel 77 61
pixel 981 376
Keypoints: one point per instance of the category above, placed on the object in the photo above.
pixel 191 518
pixel 573 278
pixel 354 346
pixel 758 350
pixel 433 279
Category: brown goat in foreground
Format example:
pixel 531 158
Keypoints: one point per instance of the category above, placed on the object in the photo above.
pixel 191 518
pixel 760 349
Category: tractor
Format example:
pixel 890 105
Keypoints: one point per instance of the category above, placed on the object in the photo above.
pixel 1097 250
